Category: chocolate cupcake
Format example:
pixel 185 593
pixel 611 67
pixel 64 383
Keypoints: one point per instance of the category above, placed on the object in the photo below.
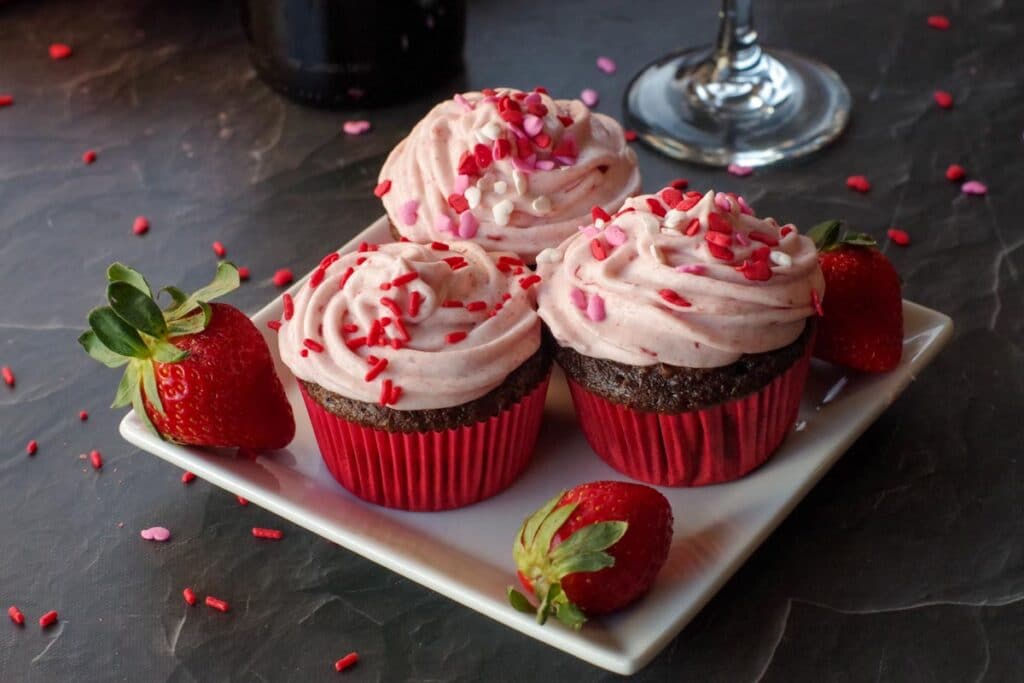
pixel 509 170
pixel 682 324
pixel 422 370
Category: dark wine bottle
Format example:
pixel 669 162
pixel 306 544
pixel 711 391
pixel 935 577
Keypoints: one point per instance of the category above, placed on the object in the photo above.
pixel 338 53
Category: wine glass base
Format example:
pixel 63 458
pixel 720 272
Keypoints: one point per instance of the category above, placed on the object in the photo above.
pixel 660 107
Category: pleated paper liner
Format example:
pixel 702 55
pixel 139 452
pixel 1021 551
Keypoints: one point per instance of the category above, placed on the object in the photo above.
pixel 710 446
pixel 430 471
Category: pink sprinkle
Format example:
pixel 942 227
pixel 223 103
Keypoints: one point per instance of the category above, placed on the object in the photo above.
pixel 723 202
pixel 741 171
pixel 578 298
pixel 595 308
pixel 974 187
pixel 461 183
pixel 356 127
pixel 692 268
pixel 614 235
pixel 468 225
pixel 533 125
pixel 590 231
pixel 444 223
pixel 606 64
pixel 744 207
pixel 407 212
pixel 545 165
pixel 590 97
pixel 466 104
pixel 156 533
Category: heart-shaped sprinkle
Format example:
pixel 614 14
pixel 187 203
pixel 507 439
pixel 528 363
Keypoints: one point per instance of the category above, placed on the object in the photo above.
pixel 589 97
pixel 974 187
pixel 356 127
pixel 156 533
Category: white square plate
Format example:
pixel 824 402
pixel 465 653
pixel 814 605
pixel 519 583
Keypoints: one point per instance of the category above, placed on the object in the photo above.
pixel 467 554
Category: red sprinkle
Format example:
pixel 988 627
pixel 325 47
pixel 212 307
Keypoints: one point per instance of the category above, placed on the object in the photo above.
pixel 859 183
pixel 304 353
pixel 6 100
pixel 439 246
pixel 405 279
pixel 32 447
pixel 656 207
pixel 141 225
pixel 317 277
pixel 690 200
pixel 16 616
pixel 598 250
pixel 345 662
pixel 391 305
pixel 356 343
pixel 456 262
pixel 187 477
pixel 717 223
pixel 402 332
pixel 313 345
pixel 451 303
pixel 189 595
pixel 898 236
pixel 785 230
pixel 60 51
pixel 8 376
pixel 939 22
pixel 275 325
pixel 476 305
pixel 671 196
pixel 458 202
pixel 396 393
pixel 385 392
pixel 718 238
pixel 219 250
pixel 374 335
pixel 415 299
pixel 680 183
pixel 528 282
pixel 96 458
pixel 630 135
pixel 216 604
pixel 692 228
pixel 565 120
pixel 816 302
pixel 382 188
pixel 943 99
pixel 48 619
pixel 455 337
pixel 289 305
pixel 344 278
pixel 83 415
pixel 283 277
pixel 673 298
pixel 89 157
pixel 242 501
pixel 243 273
pixel 721 253
pixel 955 172
pixel 597 212
pixel 378 367
pixel 542 140
pixel 272 534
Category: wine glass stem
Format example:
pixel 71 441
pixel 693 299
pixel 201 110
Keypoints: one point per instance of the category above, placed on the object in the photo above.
pixel 737 48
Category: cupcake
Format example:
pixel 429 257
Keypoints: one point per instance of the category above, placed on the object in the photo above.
pixel 509 170
pixel 684 325
pixel 422 370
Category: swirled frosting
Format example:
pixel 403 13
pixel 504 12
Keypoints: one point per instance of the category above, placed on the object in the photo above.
pixel 412 326
pixel 689 280
pixel 512 171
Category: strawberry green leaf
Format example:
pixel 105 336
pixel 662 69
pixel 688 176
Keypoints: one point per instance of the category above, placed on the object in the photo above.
pixel 137 309
pixel 127 387
pixel 190 325
pixel 95 348
pixel 138 405
pixel 519 601
pixel 590 539
pixel 858 239
pixel 116 334
pixel 533 522
pixel 570 615
pixel 178 297
pixel 825 234
pixel 224 281
pixel 149 386
pixel 118 272
pixel 165 352
pixel 551 524
pixel 583 562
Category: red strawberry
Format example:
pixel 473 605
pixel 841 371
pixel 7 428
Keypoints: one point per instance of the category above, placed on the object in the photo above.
pixel 862 323
pixel 591 550
pixel 197 373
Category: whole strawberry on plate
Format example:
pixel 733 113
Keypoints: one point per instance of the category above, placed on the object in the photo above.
pixel 591 550
pixel 196 373
pixel 862 318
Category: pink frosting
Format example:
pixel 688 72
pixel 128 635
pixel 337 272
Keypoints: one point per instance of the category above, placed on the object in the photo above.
pixel 528 176
pixel 736 284
pixel 446 355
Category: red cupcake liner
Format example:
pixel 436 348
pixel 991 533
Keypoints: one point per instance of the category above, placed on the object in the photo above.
pixel 700 447
pixel 430 471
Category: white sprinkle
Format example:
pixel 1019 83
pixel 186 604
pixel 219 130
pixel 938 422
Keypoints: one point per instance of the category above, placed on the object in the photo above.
pixel 520 181
pixel 502 211
pixel 834 390
pixel 549 255
pixel 542 204
pixel 673 218
pixel 599 223
pixel 472 195
pixel 481 137
pixel 781 258
pixel 649 221
pixel 492 131
pixel 800 426
pixel 500 187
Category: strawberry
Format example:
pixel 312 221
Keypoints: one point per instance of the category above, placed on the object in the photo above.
pixel 862 323
pixel 197 373
pixel 591 550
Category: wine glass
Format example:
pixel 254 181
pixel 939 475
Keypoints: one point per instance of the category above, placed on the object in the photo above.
pixel 735 103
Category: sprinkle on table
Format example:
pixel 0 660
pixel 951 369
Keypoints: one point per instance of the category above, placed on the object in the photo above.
pixel 190 596
pixel 939 22
pixel 187 478
pixel 283 277
pixel 6 100
pixel 60 51
pixel 16 616
pixel 217 604
pixel 606 65
pixel 347 661
pixel 88 157
pixel 898 236
pixel 83 415
pixel 975 187
pixel 271 534
pixel 859 183
pixel 8 375
pixel 943 98
pixel 359 127
pixel 96 458
pixel 48 619
pixel 32 447
pixel 955 173
pixel 140 226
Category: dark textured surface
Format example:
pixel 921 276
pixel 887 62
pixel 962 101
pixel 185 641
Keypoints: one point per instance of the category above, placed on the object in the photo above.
pixel 669 389
pixel 904 564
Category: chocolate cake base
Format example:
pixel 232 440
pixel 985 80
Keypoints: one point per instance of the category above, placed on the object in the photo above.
pixel 518 384
pixel 669 389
